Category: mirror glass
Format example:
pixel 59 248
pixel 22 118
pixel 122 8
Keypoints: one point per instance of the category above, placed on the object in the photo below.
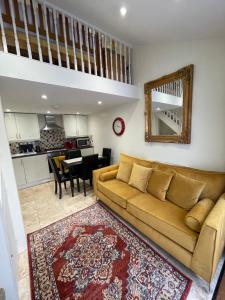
pixel 167 108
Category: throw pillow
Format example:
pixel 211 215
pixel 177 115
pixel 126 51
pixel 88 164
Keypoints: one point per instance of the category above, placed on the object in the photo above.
pixel 108 175
pixel 124 171
pixel 139 177
pixel 184 191
pixel 197 215
pixel 158 184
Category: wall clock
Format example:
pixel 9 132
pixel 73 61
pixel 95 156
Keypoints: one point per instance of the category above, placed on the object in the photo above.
pixel 118 126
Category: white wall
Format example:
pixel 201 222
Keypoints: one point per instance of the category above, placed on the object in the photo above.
pixel 11 188
pixel 207 148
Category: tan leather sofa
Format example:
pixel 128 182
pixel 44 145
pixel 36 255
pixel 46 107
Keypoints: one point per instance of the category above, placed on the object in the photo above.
pixel 163 221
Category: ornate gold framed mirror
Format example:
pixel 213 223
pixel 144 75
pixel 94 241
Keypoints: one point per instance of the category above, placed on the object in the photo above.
pixel 168 103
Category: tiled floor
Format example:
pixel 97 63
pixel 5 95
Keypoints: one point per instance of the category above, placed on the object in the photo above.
pixel 41 207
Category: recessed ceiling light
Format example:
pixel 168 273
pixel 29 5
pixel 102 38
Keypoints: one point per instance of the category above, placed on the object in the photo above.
pixel 123 11
pixel 48 112
pixel 44 97
pixel 78 113
pixel 158 108
pixel 99 102
pixel 8 110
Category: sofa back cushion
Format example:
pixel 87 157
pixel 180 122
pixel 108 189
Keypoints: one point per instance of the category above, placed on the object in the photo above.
pixel 214 181
pixel 139 177
pixel 184 191
pixel 124 171
pixel 159 183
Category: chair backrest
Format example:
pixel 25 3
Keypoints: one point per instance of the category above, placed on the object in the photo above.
pixel 89 163
pixel 73 154
pixel 106 152
pixel 54 168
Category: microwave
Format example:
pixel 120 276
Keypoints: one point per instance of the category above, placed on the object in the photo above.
pixel 83 142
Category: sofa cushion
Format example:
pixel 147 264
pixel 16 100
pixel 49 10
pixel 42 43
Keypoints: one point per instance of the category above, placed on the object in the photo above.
pixel 108 175
pixel 118 191
pixel 139 177
pixel 197 215
pixel 124 171
pixel 184 191
pixel 165 217
pixel 158 184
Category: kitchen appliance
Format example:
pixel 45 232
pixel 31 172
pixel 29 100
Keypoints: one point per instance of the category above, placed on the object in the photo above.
pixel 24 148
pixel 38 148
pixel 50 123
pixel 83 142
pixel 69 145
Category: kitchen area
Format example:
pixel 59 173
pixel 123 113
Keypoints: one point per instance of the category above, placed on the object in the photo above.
pixel 34 137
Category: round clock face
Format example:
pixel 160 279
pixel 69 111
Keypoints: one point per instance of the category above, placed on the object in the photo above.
pixel 118 126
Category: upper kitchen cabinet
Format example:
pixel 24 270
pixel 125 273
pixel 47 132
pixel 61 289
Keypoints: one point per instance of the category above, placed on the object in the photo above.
pixel 75 125
pixel 21 127
pixel 82 125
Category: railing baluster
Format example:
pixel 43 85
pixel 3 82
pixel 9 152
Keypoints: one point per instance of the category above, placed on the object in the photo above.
pixel 129 65
pixel 56 38
pixel 74 46
pixel 111 62
pixel 115 43
pixel 94 50
pixel 4 42
pixel 81 48
pixel 88 50
pixel 34 5
pixel 14 27
pixel 125 63
pixel 47 34
pixel 65 41
pixel 100 52
pixel 106 58
pixel 120 61
pixel 26 29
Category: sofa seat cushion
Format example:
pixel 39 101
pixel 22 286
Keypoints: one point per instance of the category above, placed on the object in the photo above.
pixel 165 217
pixel 118 191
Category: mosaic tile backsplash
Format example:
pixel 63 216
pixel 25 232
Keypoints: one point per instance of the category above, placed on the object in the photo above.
pixel 48 140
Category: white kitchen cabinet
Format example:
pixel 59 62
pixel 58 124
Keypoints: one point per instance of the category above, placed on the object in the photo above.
pixel 19 171
pixel 31 170
pixel 10 124
pixel 75 125
pixel 27 126
pixel 22 127
pixel 36 168
pixel 87 151
pixel 82 125
pixel 70 125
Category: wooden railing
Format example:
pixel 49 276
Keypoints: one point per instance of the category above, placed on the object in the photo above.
pixel 41 31
pixel 174 88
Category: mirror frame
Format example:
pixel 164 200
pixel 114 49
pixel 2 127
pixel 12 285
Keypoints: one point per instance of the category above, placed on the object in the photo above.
pixel 186 74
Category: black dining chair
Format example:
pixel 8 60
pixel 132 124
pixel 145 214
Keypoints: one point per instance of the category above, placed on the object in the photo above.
pixel 62 178
pixel 106 154
pixel 73 154
pixel 89 163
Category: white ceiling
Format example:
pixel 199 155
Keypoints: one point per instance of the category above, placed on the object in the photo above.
pixel 25 96
pixel 152 21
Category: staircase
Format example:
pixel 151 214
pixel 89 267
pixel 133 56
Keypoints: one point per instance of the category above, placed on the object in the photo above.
pixel 171 119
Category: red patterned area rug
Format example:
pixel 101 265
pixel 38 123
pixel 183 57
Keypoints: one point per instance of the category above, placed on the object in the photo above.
pixel 93 255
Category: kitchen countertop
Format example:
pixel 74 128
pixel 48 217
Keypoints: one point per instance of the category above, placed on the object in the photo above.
pixel 20 155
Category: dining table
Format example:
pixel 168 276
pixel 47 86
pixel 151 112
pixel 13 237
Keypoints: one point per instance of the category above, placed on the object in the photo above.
pixel 76 162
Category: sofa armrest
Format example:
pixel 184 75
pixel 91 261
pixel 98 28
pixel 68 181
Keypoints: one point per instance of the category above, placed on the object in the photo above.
pixel 211 242
pixel 96 174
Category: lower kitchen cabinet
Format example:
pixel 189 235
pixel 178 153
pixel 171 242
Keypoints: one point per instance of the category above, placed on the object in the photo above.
pixel 19 171
pixel 31 170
